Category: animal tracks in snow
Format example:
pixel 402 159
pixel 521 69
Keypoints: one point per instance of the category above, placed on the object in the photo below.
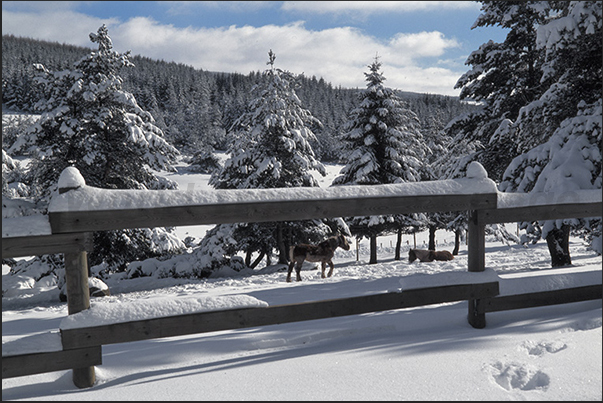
pixel 519 376
pixel 513 376
pixel 523 369
pixel 583 325
pixel 539 349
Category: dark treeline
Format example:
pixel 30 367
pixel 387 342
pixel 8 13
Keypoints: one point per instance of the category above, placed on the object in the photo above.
pixel 194 107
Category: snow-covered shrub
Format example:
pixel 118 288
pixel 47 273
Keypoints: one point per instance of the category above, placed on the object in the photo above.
pixel 14 125
pixel 27 275
pixel 14 180
pixel 205 161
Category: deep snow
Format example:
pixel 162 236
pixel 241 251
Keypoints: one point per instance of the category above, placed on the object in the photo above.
pixel 426 353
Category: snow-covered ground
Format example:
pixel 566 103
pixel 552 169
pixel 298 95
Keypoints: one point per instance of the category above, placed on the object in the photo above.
pixel 426 353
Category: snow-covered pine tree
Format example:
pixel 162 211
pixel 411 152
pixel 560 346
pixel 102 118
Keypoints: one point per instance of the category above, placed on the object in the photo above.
pixel 14 182
pixel 272 150
pixel 91 123
pixel 570 158
pixel 504 77
pixel 570 40
pixel 385 146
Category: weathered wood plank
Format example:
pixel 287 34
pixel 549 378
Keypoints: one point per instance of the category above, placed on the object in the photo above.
pixel 546 212
pixel 544 298
pixel 46 244
pixel 38 363
pixel 476 243
pixel 76 276
pixel 101 220
pixel 251 317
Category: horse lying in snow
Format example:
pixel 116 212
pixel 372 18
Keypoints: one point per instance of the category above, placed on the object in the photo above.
pixel 429 255
pixel 323 253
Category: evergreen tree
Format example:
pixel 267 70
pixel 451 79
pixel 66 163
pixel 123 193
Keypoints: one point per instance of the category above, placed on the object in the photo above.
pixel 14 182
pixel 91 123
pixel 385 146
pixel 272 150
pixel 504 77
pixel 569 158
pixel 571 70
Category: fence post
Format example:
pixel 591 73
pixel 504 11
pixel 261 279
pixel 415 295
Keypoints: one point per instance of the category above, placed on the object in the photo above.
pixel 78 299
pixel 76 277
pixel 476 256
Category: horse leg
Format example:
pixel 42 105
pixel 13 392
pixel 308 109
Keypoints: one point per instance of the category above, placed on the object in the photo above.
pixel 298 271
pixel 324 266
pixel 331 269
pixel 290 270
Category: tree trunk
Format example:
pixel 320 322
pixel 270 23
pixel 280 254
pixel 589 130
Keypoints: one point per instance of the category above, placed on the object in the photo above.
pixel 432 231
pixel 558 242
pixel 256 261
pixel 373 258
pixel 398 245
pixel 248 258
pixel 457 242
pixel 283 257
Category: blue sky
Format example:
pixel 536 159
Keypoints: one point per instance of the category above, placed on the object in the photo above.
pixel 422 45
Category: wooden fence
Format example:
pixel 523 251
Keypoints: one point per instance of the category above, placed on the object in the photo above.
pixel 71 235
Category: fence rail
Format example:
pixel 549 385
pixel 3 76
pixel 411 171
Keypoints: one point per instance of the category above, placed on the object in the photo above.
pixel 71 235
pixel 542 298
pixel 212 321
pixel 264 211
pixel 546 212
pixel 46 244
pixel 39 363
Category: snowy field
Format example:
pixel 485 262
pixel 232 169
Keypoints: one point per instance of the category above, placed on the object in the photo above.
pixel 426 353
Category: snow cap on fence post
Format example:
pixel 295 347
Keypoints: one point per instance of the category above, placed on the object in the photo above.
pixel 70 179
pixel 475 170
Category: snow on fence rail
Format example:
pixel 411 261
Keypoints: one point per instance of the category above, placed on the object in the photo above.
pixel 78 210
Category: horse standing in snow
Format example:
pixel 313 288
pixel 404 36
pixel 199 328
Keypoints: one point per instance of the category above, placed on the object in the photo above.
pixel 323 253
pixel 428 255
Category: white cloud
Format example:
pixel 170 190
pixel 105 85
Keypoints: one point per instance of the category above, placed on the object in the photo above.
pixel 339 55
pixel 61 26
pixel 422 44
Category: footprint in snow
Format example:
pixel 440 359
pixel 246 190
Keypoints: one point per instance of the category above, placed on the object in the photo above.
pixel 585 324
pixel 515 376
pixel 539 349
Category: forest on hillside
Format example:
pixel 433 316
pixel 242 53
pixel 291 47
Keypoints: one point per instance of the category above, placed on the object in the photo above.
pixel 195 108
pixel 538 129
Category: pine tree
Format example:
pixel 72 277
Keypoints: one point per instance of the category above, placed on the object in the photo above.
pixel 14 181
pixel 272 150
pixel 569 158
pixel 91 123
pixel 385 146
pixel 504 77
pixel 571 71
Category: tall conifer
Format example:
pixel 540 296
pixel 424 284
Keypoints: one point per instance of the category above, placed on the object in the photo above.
pixel 272 150
pixel 385 146
pixel 91 123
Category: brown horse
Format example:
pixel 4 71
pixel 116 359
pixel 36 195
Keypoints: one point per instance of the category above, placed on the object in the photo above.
pixel 428 255
pixel 323 253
